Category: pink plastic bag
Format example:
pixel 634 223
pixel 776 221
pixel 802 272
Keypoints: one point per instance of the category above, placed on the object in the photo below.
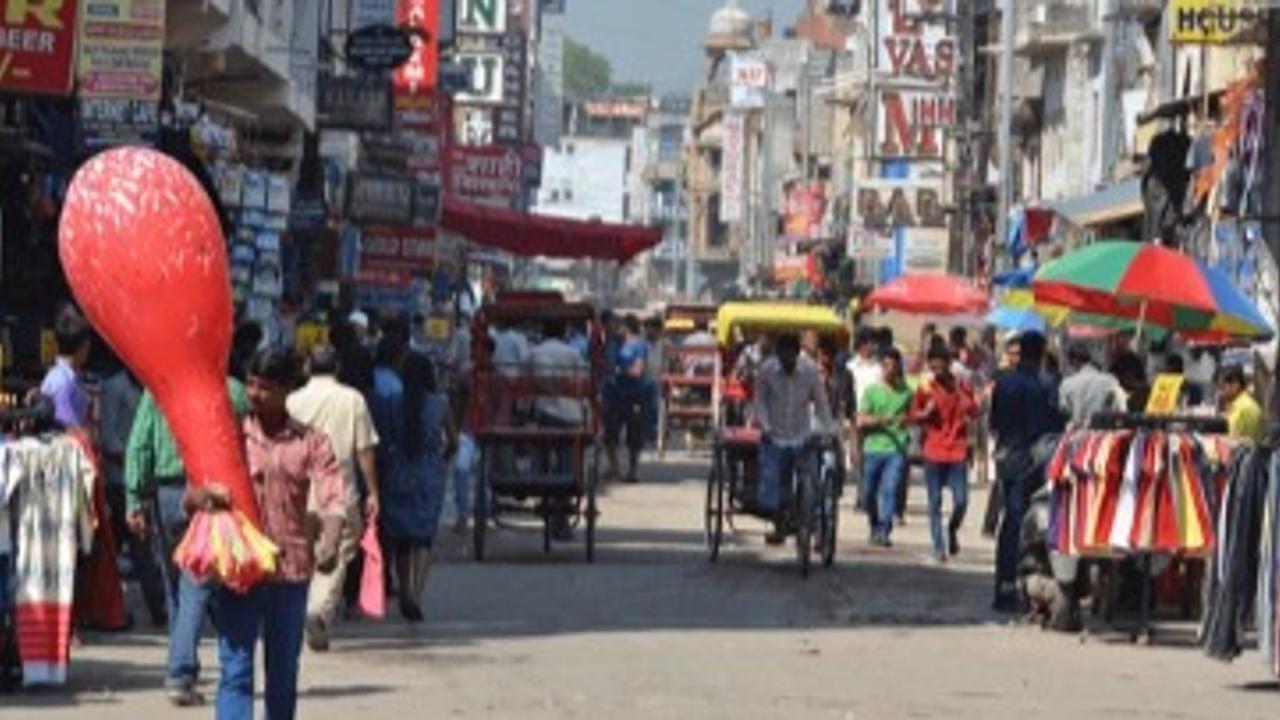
pixel 373 592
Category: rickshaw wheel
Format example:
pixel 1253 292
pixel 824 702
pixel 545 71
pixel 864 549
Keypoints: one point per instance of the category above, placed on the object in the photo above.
pixel 804 524
pixel 480 519
pixel 593 481
pixel 829 516
pixel 713 520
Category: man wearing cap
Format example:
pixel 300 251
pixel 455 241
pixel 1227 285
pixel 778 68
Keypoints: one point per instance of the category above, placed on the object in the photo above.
pixel 342 414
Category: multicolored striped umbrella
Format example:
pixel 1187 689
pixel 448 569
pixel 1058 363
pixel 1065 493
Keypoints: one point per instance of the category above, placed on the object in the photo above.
pixel 1150 285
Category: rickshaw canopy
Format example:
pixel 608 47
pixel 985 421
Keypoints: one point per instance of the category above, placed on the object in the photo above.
pixel 777 317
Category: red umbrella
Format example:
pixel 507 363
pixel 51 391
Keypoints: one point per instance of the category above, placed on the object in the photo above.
pixel 929 294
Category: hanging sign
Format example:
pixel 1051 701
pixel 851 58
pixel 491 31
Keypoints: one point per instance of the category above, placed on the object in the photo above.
pixel 378 48
pixel 1165 394
pixel 749 79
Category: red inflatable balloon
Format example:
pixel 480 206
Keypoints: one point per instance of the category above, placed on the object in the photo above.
pixel 144 254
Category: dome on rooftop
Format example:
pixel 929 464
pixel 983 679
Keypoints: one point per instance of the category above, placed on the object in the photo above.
pixel 730 20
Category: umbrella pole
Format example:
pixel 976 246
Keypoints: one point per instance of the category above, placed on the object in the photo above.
pixel 1142 321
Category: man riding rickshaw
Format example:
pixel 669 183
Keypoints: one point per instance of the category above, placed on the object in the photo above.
pixel 777 457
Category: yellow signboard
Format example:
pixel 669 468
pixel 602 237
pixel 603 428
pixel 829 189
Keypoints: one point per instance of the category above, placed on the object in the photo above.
pixel 1212 22
pixel 1165 394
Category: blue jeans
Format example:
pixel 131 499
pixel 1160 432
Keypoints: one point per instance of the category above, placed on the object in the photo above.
pixel 882 473
pixel 186 600
pixel 277 610
pixel 778 464
pixel 1014 493
pixel 954 475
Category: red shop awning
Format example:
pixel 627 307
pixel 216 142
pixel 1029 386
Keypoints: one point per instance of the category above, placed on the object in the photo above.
pixel 533 235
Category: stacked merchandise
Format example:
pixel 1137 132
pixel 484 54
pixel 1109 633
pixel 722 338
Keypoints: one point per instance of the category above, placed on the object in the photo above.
pixel 1135 491
pixel 1242 585
pixel 259 202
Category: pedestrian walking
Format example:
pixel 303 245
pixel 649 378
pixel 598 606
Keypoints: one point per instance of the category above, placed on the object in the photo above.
pixel 944 406
pixel 630 402
pixel 155 481
pixel 121 393
pixel 62 383
pixel 343 415
pixel 415 428
pixel 882 423
pixel 290 463
pixel 1024 418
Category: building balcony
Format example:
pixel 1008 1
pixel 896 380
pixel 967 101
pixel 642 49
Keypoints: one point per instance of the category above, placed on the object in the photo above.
pixel 1052 26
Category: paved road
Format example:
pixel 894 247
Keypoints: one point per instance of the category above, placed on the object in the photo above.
pixel 654 631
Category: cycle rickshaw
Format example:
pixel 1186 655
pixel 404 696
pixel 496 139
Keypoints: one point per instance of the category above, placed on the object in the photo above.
pixel 688 400
pixel 527 467
pixel 812 515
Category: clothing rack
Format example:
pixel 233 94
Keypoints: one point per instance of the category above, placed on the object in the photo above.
pixel 1207 424
pixel 1142 421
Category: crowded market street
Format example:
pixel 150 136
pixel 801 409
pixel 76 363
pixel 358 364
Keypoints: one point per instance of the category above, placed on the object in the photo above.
pixel 653 630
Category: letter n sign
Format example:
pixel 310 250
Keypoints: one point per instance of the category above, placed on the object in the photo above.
pixel 486 17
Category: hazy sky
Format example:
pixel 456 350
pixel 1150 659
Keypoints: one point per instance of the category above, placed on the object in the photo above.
pixel 659 41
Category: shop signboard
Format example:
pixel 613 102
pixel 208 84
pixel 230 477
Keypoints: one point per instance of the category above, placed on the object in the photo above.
pixel 508 117
pixel 397 250
pixel 353 103
pixel 912 41
pixel 731 169
pixel 749 80
pixel 120 71
pixel 485 69
pixel 367 13
pixel 1213 22
pixel 37 45
pixel 805 206
pixel 886 204
pixel 870 244
pixel 380 198
pixel 925 250
pixel 482 17
pixel 121 49
pixel 912 124
pixel 491 175
pixel 414 82
pixel 378 48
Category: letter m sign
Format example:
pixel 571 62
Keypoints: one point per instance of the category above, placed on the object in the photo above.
pixel 483 16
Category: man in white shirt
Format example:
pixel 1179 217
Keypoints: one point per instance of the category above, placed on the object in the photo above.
pixel 342 414
pixel 790 394
pixel 554 363
pixel 864 370
pixel 1088 390
pixel 510 349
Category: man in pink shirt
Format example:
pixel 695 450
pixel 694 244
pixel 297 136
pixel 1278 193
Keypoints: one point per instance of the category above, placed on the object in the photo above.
pixel 286 460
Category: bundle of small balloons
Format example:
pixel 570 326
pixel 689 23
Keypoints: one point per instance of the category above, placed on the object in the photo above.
pixel 144 254
pixel 224 545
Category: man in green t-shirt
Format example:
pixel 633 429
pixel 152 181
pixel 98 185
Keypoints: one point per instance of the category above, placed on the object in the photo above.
pixel 882 421
pixel 155 482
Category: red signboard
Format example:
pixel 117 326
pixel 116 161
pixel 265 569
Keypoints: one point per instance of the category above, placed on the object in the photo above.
pixel 389 251
pixel 414 83
pixel 37 45
pixel 488 174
